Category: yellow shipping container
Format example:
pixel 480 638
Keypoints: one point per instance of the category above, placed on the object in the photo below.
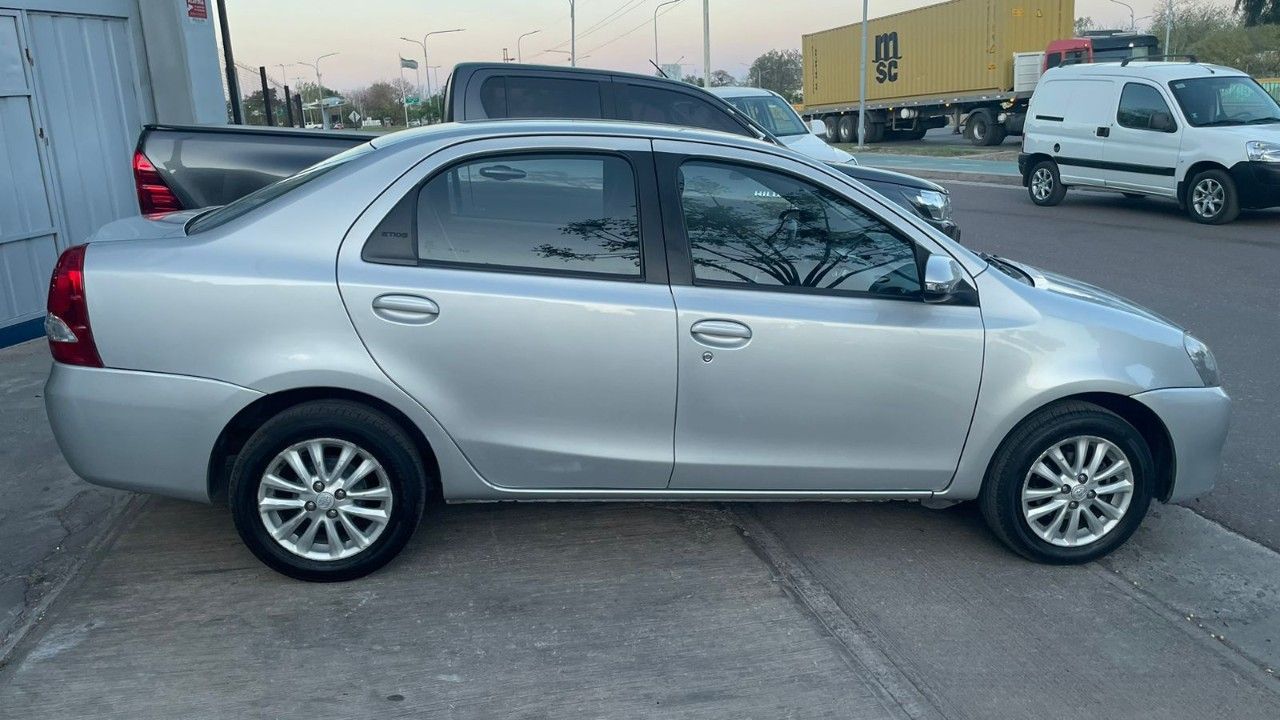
pixel 945 52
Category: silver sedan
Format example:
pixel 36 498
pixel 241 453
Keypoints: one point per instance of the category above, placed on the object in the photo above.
pixel 600 311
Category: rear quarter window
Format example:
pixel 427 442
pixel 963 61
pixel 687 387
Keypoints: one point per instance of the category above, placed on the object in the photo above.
pixel 538 97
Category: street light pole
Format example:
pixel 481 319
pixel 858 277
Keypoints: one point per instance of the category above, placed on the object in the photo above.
pixel 1168 27
pixel 862 81
pixel 284 76
pixel 573 35
pixel 519 54
pixel 324 116
pixel 706 43
pixel 1132 24
pixel 656 61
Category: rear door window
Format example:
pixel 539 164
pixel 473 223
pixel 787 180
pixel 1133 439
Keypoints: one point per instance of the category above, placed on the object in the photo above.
pixel 645 103
pixel 538 97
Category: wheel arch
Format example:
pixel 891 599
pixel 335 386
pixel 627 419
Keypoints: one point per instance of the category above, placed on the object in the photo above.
pixel 1033 159
pixel 1191 172
pixel 1141 417
pixel 242 426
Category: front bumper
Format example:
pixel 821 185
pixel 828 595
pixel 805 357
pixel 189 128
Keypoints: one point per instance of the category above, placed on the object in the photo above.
pixel 1257 183
pixel 1197 420
pixel 140 431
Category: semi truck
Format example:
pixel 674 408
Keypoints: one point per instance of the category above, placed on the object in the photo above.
pixel 971 63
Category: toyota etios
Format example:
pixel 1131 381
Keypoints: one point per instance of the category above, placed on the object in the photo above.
pixel 529 310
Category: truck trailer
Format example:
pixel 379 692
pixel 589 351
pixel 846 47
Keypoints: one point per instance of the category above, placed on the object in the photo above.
pixel 974 63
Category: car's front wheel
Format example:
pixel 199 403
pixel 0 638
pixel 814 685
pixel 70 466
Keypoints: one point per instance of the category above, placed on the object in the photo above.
pixel 327 490
pixel 1069 485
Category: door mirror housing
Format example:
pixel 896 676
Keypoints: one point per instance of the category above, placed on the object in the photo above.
pixel 943 279
pixel 817 127
pixel 1163 122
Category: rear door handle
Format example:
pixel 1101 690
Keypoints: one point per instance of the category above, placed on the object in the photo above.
pixel 721 333
pixel 1104 132
pixel 406 309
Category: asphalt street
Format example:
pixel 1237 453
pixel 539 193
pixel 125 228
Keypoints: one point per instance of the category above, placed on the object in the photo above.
pixel 807 610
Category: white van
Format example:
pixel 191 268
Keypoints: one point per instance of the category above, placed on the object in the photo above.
pixel 1206 136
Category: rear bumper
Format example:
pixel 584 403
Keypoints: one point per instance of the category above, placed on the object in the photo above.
pixel 146 432
pixel 1197 420
pixel 1258 184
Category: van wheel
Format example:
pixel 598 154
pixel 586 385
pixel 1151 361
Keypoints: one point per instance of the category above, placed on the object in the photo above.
pixel 1212 198
pixel 327 490
pixel 1069 485
pixel 848 129
pixel 1044 185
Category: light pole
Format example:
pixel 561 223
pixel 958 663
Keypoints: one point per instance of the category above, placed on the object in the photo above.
pixel 1168 26
pixel 573 36
pixel 1132 24
pixel 284 77
pixel 661 5
pixel 324 116
pixel 520 55
pixel 566 52
pixel 862 81
pixel 706 43
pixel 423 43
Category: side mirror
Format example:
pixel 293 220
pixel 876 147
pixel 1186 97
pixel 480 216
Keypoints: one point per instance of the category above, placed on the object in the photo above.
pixel 817 127
pixel 942 278
pixel 1163 122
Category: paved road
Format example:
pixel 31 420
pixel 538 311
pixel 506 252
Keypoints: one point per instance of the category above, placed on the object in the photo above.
pixel 1216 281
pixel 708 611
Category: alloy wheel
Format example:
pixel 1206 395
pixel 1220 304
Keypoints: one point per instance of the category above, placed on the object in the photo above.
pixel 1208 198
pixel 1077 491
pixel 1041 183
pixel 324 499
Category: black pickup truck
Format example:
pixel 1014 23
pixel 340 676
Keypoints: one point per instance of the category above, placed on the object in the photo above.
pixel 186 167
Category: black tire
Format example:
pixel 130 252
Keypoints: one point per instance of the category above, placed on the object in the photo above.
pixel 875 132
pixel 1001 497
pixel 1134 196
pixel 370 430
pixel 848 129
pixel 1040 194
pixel 978 127
pixel 832 125
pixel 1222 212
pixel 997 135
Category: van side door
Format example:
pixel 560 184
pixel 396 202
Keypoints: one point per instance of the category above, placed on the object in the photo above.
pixel 1086 117
pixel 1143 152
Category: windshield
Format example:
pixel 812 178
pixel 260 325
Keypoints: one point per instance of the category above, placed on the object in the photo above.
pixel 256 199
pixel 772 112
pixel 1232 100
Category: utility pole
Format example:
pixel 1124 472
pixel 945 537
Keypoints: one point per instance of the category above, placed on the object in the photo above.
pixel 862 82
pixel 573 36
pixel 706 43
pixel 1168 27
pixel 233 83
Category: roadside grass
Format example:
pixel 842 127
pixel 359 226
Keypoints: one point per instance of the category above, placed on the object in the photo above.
pixel 916 148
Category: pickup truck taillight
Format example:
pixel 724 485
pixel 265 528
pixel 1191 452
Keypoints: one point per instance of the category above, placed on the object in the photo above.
pixel 153 195
pixel 67 324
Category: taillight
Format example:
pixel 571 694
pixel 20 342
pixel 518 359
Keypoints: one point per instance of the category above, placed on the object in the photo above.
pixel 67 324
pixel 153 195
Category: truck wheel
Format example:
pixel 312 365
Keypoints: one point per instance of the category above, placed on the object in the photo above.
pixel 848 129
pixel 832 125
pixel 875 132
pixel 1212 198
pixel 980 128
pixel 1044 185
pixel 997 134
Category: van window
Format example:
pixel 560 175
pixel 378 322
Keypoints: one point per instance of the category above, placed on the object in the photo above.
pixel 1138 104
pixel 644 103
pixel 536 97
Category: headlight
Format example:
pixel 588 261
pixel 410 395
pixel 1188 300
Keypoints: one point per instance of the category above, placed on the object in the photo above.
pixel 1262 151
pixel 1202 357
pixel 932 204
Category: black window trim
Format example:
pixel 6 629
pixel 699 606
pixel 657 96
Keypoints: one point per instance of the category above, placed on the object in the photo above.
pixel 679 252
pixel 1163 99
pixel 653 266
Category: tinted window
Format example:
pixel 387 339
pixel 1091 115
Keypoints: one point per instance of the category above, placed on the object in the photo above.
pixel 1052 60
pixel 531 97
pixel 563 213
pixel 658 105
pixel 754 227
pixel 1138 103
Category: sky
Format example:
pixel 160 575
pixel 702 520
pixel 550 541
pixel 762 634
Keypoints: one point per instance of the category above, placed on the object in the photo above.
pixel 614 34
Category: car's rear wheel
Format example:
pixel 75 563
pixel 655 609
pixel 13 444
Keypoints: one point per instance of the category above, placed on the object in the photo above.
pixel 1069 485
pixel 327 490
pixel 1044 185
pixel 1212 198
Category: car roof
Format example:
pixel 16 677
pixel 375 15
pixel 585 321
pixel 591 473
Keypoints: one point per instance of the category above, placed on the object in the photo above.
pixel 474 129
pixel 740 91
pixel 1157 71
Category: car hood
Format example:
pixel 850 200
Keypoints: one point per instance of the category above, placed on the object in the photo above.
pixel 145 227
pixel 1063 285
pixel 880 175
pixel 811 145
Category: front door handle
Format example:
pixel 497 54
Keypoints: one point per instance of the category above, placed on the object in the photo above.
pixel 721 333
pixel 1104 132
pixel 406 309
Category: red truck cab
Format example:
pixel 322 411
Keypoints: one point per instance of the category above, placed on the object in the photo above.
pixel 1099 46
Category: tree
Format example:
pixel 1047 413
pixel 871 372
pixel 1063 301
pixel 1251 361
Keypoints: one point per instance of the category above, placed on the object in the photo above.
pixel 1259 12
pixel 720 78
pixel 779 71
pixel 1193 20
pixel 1084 25
pixel 693 80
